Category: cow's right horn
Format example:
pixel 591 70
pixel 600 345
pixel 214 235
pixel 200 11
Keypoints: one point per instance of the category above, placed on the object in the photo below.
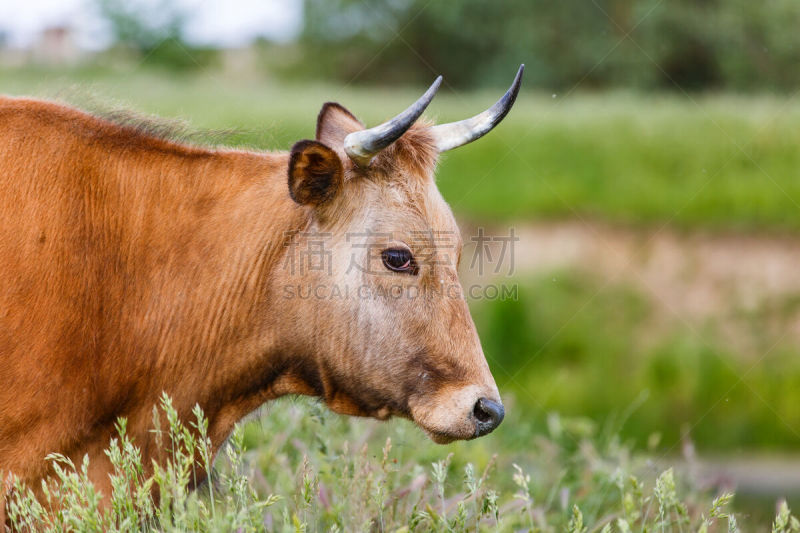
pixel 455 134
pixel 362 146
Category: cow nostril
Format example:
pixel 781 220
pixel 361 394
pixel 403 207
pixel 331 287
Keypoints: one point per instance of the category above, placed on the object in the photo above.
pixel 480 412
pixel 488 415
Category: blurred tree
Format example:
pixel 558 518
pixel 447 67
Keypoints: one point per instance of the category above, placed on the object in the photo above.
pixel 734 44
pixel 761 42
pixel 691 44
pixel 155 30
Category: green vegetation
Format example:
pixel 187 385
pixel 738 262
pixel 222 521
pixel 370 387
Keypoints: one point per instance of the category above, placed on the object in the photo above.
pixel 602 43
pixel 303 469
pixel 154 31
pixel 701 162
pixel 633 44
pixel 573 344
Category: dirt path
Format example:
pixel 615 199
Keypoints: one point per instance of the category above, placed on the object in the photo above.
pixel 694 275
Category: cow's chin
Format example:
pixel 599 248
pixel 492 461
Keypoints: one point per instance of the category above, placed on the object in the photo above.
pixel 447 416
pixel 442 438
pixel 461 431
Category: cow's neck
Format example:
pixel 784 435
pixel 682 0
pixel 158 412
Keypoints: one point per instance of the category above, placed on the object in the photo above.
pixel 212 269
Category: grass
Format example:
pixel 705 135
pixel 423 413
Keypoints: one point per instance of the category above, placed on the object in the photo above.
pixel 722 162
pixel 575 344
pixel 303 469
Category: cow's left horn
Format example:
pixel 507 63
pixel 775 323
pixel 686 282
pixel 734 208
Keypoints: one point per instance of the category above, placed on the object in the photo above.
pixel 455 134
pixel 363 145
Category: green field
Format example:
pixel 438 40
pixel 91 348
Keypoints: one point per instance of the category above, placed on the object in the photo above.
pixel 574 345
pixel 722 162
pixel 630 380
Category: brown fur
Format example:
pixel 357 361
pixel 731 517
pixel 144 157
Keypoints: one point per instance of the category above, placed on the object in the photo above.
pixel 132 265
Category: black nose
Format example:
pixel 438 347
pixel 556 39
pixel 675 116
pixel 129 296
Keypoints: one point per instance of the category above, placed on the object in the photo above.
pixel 488 415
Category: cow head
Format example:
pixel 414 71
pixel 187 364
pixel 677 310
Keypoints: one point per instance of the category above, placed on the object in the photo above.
pixel 373 298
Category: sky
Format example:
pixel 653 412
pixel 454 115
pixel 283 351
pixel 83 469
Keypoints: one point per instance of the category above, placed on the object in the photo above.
pixel 213 22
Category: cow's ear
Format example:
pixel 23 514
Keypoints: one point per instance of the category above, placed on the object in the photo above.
pixel 334 123
pixel 315 173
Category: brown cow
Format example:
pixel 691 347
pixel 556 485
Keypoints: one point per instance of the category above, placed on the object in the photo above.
pixel 131 265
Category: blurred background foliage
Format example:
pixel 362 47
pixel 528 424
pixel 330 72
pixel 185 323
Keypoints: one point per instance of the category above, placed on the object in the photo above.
pixel 154 30
pixel 680 44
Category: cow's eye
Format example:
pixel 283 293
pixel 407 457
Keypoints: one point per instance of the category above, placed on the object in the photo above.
pixel 399 260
